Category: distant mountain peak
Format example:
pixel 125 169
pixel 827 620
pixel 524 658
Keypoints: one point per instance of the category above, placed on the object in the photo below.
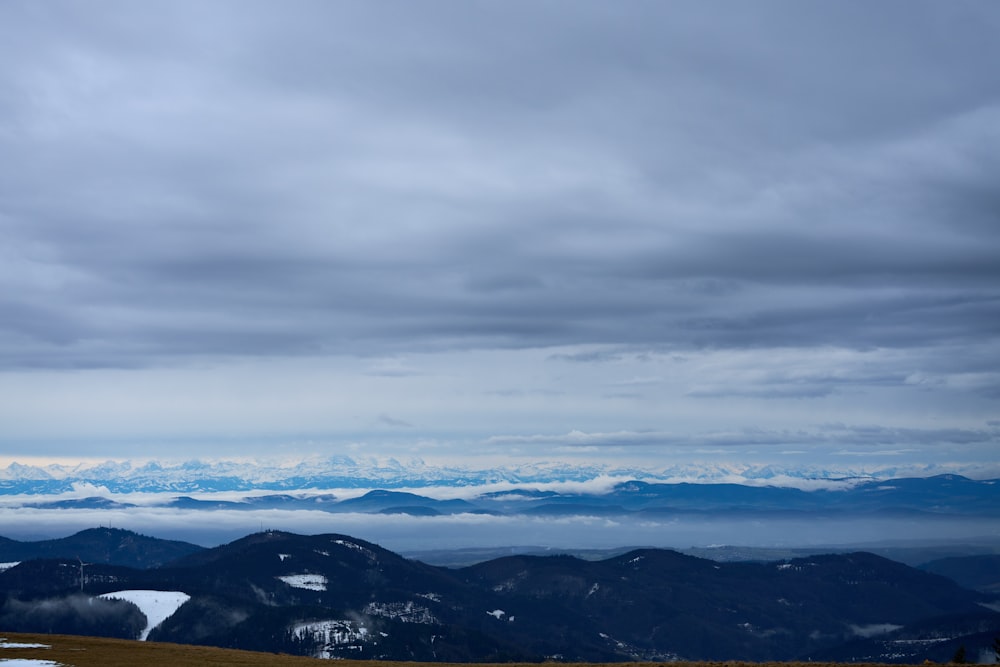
pixel 197 475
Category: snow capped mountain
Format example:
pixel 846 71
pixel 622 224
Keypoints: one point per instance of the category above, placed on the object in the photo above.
pixel 341 472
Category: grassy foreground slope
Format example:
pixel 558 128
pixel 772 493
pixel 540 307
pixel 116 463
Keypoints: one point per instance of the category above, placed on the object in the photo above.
pixel 74 651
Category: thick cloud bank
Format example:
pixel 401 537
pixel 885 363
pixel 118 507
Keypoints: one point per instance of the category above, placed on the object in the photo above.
pixel 463 531
pixel 461 228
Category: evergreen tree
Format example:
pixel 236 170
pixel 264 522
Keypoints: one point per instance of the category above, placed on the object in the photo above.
pixel 959 657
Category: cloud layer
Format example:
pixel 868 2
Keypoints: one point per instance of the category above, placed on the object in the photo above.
pixel 438 225
pixel 402 533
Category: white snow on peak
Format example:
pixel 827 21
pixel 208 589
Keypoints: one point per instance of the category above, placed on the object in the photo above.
pixel 497 613
pixel 310 582
pixel 343 473
pixel 284 557
pixel 7 566
pixel 158 606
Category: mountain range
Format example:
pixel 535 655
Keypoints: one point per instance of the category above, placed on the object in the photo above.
pixel 334 595
pixel 941 495
pixel 343 472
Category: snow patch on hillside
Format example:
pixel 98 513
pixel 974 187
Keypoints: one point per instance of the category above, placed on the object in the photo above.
pixel 332 634
pixel 405 612
pixel 311 582
pixel 356 547
pixel 6 644
pixel 158 606
pixel 25 662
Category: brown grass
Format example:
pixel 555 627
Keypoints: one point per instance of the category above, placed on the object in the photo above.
pixel 99 652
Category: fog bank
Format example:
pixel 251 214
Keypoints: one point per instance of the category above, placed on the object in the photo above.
pixel 405 533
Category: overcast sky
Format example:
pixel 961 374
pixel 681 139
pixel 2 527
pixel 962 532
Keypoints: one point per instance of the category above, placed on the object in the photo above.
pixel 645 230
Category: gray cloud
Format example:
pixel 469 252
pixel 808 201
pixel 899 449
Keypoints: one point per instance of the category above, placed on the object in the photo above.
pixel 523 177
pixel 190 186
pixel 386 420
pixel 588 356
pixel 837 435
pixel 404 533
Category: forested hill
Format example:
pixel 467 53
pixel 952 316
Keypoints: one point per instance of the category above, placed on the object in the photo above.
pixel 338 596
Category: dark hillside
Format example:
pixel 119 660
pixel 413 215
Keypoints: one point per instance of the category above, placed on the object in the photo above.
pixel 340 597
pixel 692 606
pixel 110 546
pixel 980 573
pixel 355 570
pixel 52 576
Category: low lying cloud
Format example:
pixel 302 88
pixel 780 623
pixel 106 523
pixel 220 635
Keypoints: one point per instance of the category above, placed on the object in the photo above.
pixel 874 629
pixel 406 533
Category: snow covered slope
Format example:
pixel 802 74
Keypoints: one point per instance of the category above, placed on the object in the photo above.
pixel 158 606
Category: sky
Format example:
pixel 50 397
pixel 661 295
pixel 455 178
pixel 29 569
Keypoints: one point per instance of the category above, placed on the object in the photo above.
pixel 482 231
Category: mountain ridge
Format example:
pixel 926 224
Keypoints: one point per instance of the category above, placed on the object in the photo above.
pixel 940 495
pixel 339 596
pixel 108 546
pixel 196 476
